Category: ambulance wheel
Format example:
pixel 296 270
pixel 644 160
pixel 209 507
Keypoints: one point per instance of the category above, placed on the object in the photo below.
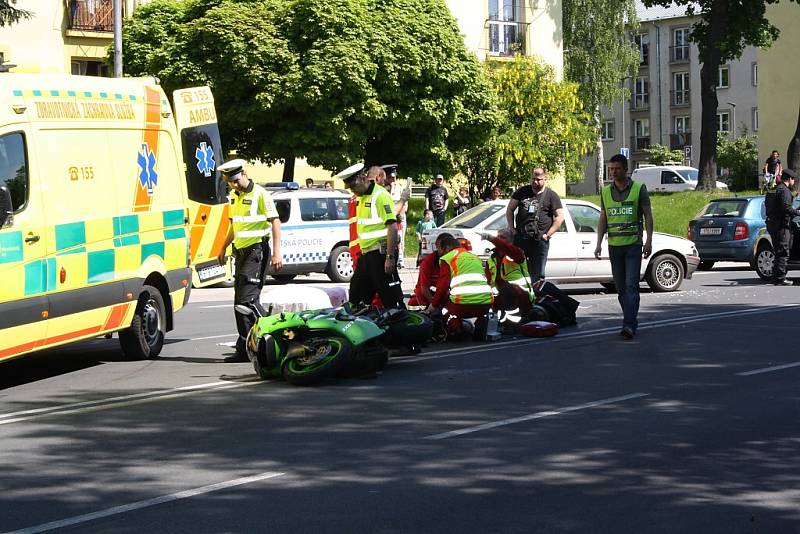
pixel 340 265
pixel 283 278
pixel 145 337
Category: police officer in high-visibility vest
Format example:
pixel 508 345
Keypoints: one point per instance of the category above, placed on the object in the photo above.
pixel 625 204
pixel 462 287
pixel 507 272
pixel 253 219
pixel 376 271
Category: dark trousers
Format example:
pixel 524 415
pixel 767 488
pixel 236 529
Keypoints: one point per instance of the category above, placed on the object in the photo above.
pixel 438 217
pixel 370 277
pixel 535 252
pixel 626 264
pixel 782 245
pixel 251 268
pixel 511 296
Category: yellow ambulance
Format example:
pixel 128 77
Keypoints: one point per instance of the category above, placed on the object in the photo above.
pixel 110 205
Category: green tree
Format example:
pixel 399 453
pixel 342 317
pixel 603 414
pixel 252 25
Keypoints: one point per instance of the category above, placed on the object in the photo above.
pixel 598 56
pixel 11 15
pixel 660 154
pixel 541 123
pixel 740 157
pixel 724 28
pixel 330 80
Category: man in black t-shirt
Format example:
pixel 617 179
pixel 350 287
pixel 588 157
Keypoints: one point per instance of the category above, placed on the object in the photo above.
pixel 539 215
pixel 772 170
pixel 436 200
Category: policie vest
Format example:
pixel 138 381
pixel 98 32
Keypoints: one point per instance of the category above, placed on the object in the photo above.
pixel 467 278
pixel 624 219
pixel 250 217
pixel 371 218
pixel 511 271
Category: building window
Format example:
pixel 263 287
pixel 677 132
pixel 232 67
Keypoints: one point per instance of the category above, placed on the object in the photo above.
pixel 680 92
pixel 641 97
pixel 607 131
pixel 680 44
pixel 641 137
pixel 724 77
pixel 755 119
pixel 754 74
pixel 642 42
pixel 683 124
pixel 724 122
pixel 506 32
pixel 89 67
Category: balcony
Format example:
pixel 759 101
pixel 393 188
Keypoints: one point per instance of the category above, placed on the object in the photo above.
pixel 679 98
pixel 507 38
pixel 640 102
pixel 639 143
pixel 679 140
pixel 91 15
pixel 679 54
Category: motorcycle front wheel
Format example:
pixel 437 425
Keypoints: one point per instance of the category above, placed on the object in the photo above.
pixel 322 358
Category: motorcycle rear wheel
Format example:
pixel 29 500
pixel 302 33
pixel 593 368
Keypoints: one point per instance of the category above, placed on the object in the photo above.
pixel 329 354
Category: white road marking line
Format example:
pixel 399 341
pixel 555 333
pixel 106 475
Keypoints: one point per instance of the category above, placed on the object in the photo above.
pixel 530 417
pixel 85 518
pixel 118 402
pixel 769 369
pixel 218 306
pixel 212 337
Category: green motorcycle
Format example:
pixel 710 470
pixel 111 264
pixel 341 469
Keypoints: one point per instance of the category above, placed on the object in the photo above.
pixel 309 346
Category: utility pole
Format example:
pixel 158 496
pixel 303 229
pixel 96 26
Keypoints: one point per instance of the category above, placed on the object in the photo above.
pixel 118 38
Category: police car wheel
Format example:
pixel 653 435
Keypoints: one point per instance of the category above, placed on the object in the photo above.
pixel 340 265
pixel 665 273
pixel 763 262
pixel 145 337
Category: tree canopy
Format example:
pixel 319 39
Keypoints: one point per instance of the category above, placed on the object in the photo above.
pixel 10 14
pixel 722 31
pixel 333 81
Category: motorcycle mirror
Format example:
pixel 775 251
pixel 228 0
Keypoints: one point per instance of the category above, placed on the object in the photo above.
pixel 242 309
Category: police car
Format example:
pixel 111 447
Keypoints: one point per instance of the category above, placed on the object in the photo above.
pixel 314 232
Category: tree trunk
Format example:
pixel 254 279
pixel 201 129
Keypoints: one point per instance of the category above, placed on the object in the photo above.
pixel 708 94
pixel 793 152
pixel 598 155
pixel 288 169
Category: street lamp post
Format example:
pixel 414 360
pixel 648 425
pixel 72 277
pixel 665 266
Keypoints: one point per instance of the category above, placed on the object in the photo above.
pixel 733 121
pixel 118 38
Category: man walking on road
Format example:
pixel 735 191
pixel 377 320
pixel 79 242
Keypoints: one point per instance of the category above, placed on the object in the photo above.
pixel 253 218
pixel 624 203
pixel 779 225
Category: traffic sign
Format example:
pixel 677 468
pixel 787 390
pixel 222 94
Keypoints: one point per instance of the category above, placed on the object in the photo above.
pixel 687 152
pixel 625 152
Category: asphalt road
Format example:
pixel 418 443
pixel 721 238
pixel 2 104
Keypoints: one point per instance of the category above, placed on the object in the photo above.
pixel 690 427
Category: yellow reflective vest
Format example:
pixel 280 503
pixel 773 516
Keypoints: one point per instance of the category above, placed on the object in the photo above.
pixel 251 215
pixel 468 283
pixel 511 271
pixel 374 211
pixel 624 218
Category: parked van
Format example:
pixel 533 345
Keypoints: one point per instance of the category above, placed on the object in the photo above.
pixel 669 178
pixel 106 201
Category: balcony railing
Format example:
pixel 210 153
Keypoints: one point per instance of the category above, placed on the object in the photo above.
pixel 91 15
pixel 679 98
pixel 640 143
pixel 679 54
pixel 640 102
pixel 679 140
pixel 507 38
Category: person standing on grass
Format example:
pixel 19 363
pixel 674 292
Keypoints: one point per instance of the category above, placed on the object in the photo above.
pixel 624 205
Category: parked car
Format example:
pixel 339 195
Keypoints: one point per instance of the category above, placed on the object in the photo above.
pixel 726 229
pixel 571 257
pixel 670 178
pixel 765 255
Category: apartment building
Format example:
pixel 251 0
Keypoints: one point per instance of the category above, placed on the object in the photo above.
pixel 63 36
pixel 664 106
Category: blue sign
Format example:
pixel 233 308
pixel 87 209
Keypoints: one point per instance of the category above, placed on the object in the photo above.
pixel 625 152
pixel 147 168
pixel 205 159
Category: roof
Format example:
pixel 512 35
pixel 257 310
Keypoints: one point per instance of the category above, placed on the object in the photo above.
pixel 316 193
pixel 645 14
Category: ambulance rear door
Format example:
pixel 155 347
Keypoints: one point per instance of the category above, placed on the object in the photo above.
pixel 207 200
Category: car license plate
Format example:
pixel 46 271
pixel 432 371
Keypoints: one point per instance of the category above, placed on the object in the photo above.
pixel 207 273
pixel 710 231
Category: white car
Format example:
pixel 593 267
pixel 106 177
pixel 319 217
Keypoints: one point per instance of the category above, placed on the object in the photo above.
pixel 571 255
pixel 314 232
pixel 670 178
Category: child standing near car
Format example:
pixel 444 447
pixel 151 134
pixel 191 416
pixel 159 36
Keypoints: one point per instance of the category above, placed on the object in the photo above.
pixel 425 224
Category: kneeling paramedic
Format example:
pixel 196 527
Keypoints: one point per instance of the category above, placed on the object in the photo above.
pixel 253 215
pixel 507 272
pixel 462 287
pixel 376 270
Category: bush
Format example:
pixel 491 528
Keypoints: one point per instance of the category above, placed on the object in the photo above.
pixel 740 157
pixel 660 155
